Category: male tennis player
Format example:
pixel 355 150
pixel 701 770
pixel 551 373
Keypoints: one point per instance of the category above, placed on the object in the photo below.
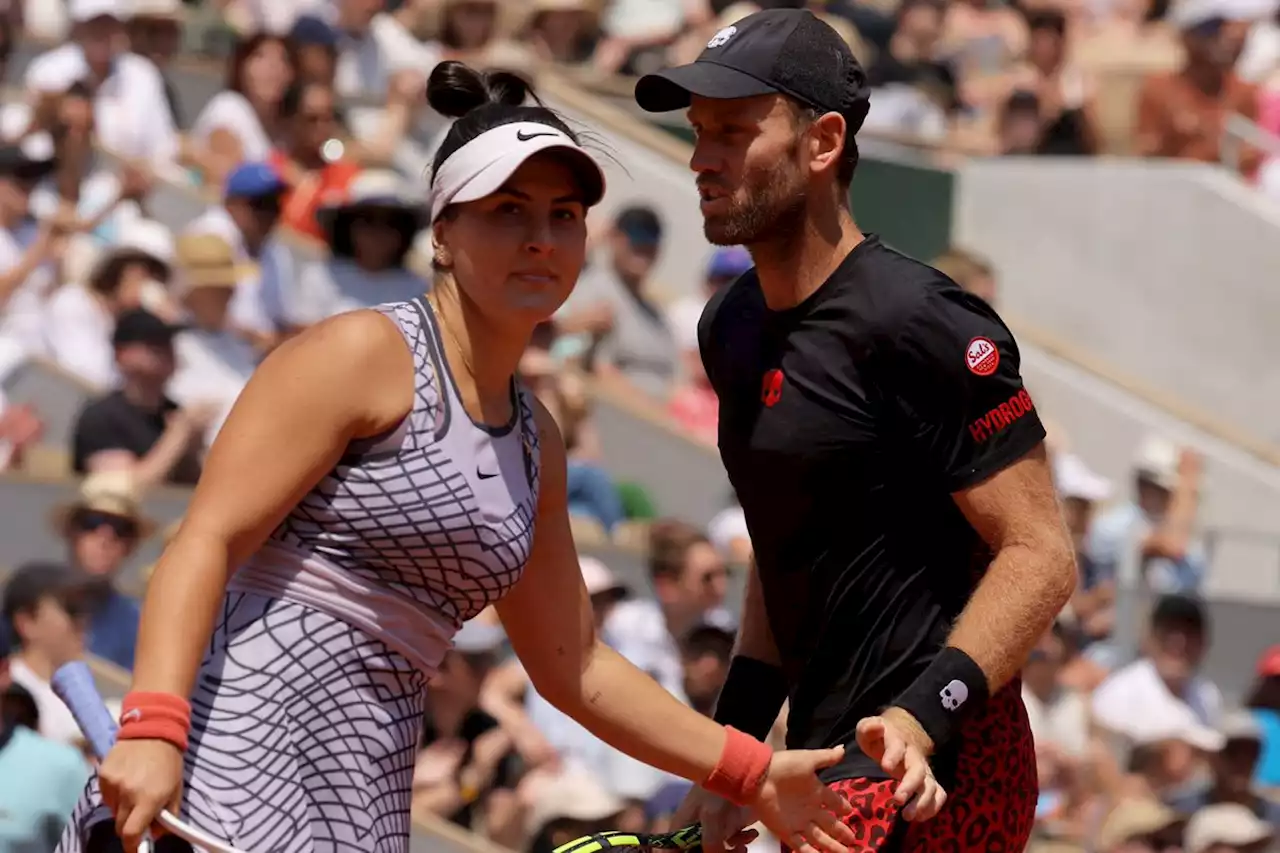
pixel 909 551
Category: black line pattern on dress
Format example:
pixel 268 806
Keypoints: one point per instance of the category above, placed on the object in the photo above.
pixel 304 728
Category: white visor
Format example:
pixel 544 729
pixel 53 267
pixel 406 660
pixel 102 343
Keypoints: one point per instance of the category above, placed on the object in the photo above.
pixel 484 164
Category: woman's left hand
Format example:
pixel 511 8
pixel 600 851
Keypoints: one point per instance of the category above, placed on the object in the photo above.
pixel 798 808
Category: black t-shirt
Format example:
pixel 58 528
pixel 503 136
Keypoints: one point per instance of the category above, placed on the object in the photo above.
pixel 846 423
pixel 114 423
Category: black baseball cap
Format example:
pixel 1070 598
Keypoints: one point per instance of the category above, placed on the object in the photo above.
pixel 777 51
pixel 142 327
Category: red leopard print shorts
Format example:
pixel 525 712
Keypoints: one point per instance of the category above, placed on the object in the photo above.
pixel 990 809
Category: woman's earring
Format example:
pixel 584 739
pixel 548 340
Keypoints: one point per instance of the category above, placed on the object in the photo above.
pixel 441 258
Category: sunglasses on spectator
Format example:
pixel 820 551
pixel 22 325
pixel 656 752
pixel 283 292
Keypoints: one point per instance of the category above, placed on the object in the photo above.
pixel 87 521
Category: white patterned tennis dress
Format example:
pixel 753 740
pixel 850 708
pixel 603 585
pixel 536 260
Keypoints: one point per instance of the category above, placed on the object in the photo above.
pixel 307 709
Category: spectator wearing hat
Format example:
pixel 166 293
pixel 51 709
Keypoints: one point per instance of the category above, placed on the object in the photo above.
pixel 132 273
pixel 130 106
pixel 1233 768
pixel 25 274
pixel 102 528
pixel 1081 491
pixel 154 28
pixel 252 201
pixel 214 363
pixel 43 616
pixel 315 45
pixel 1140 825
pixel 568 806
pixel 1164 684
pixel 370 233
pixel 1264 701
pixel 1181 113
pixel 40 779
pixel 630 335
pixel 138 427
pixel 694 404
pixel 1160 519
pixel 1227 828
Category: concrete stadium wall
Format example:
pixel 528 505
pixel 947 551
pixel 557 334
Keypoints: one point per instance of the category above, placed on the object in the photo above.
pixel 1182 256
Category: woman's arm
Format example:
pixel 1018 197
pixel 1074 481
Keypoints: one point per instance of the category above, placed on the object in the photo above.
pixel 549 620
pixel 294 419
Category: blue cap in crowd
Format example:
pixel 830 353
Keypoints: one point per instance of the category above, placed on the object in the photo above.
pixel 729 262
pixel 254 180
pixel 309 29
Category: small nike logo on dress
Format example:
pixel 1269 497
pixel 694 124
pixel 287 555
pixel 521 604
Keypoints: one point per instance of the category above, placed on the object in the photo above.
pixel 525 137
pixel 483 476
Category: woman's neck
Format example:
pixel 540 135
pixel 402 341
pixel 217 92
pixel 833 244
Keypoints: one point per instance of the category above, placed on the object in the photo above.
pixel 487 355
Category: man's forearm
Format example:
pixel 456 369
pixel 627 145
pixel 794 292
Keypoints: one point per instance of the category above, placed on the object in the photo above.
pixel 1016 601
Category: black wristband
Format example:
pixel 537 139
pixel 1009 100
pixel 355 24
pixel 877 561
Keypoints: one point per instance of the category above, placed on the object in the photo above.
pixel 752 696
pixel 950 690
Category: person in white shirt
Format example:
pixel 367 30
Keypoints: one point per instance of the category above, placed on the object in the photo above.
pixel 131 111
pixel 247 218
pixel 81 316
pixel 1164 683
pixel 243 122
pixel 42 610
pixel 213 362
pixel 373 46
pixel 370 234
pixel 689 583
pixel 25 274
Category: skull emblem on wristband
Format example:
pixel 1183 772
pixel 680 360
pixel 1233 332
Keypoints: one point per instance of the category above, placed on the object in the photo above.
pixel 954 695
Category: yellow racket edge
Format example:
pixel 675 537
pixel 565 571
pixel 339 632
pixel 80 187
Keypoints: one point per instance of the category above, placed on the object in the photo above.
pixel 687 839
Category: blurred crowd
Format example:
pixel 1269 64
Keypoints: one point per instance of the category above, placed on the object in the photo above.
pixel 309 163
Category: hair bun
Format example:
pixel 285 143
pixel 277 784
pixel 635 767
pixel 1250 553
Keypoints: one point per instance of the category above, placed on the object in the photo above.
pixel 455 89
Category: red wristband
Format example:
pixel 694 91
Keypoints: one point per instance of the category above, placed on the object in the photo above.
pixel 742 768
pixel 155 716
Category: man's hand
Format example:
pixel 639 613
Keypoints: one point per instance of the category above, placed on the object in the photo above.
pixel 723 823
pixel 896 740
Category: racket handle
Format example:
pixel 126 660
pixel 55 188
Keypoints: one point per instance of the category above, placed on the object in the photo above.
pixel 73 684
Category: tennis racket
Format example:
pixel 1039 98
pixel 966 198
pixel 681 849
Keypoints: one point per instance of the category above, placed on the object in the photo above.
pixel 687 840
pixel 73 682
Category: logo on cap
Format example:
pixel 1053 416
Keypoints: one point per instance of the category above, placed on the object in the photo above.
pixel 982 356
pixel 722 37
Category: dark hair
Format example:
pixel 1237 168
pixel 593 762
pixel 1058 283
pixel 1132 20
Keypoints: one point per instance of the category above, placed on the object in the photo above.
pixel 669 544
pixel 18 708
pixel 245 48
pixel 341 244
pixel 706 640
pixel 449 33
pixel 481 101
pixel 1047 19
pixel 807 115
pixel 1180 613
pixel 106 278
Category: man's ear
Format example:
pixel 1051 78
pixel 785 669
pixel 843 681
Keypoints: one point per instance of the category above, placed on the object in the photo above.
pixel 826 141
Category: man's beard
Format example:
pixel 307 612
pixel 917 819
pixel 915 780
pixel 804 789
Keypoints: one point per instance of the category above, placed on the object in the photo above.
pixel 774 209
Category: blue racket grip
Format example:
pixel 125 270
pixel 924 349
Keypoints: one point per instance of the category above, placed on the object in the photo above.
pixel 73 683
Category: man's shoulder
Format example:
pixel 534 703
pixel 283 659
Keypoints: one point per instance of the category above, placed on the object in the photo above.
pixel 887 289
pixel 134 68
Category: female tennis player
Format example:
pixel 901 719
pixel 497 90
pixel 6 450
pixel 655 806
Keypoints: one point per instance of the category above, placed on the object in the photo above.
pixel 382 478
